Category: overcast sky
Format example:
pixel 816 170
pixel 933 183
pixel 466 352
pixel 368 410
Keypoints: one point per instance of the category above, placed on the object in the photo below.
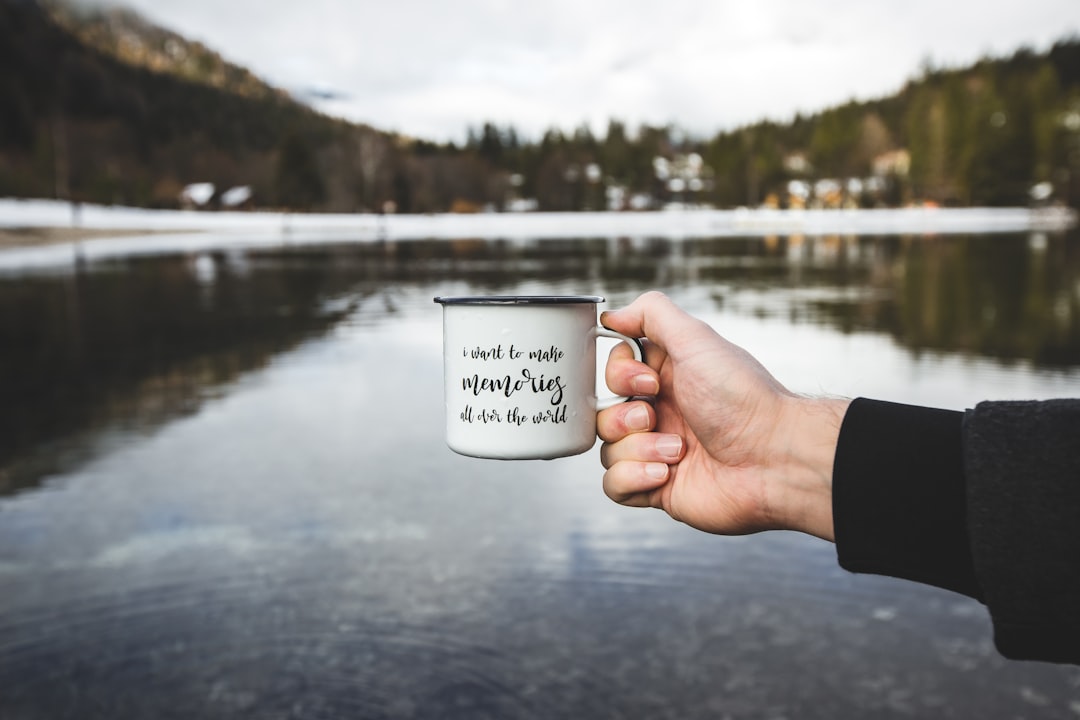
pixel 431 69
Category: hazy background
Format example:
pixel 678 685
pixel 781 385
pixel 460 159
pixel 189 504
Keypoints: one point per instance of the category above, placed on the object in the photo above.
pixel 493 108
pixel 430 69
pixel 224 486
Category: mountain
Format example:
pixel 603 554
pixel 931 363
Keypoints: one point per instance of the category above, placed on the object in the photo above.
pixel 104 106
pixel 127 36
pixel 105 121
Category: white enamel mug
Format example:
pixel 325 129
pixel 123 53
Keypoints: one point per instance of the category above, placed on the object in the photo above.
pixel 520 374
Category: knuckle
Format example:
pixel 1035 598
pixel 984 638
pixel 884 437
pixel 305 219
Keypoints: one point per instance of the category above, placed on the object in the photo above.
pixel 607 426
pixel 609 487
pixel 605 455
pixel 653 295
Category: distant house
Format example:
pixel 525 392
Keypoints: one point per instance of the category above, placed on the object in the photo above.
pixel 797 163
pixel 196 195
pixel 238 197
pixel 894 162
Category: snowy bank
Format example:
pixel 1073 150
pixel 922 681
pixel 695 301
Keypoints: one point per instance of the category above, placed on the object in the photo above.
pixel 191 231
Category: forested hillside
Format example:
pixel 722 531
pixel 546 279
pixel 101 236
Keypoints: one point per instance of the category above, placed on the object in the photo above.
pixel 106 107
pixel 983 135
pixel 80 123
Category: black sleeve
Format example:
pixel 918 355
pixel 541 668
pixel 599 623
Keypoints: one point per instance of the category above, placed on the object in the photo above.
pixel 899 505
pixel 985 503
pixel 1022 460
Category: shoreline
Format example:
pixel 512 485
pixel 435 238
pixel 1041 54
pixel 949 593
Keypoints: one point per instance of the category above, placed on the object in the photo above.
pixel 40 236
pixel 29 226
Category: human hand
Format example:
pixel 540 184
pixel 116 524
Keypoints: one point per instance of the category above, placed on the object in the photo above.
pixel 724 447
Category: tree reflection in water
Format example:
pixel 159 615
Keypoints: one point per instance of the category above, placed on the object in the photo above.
pixel 139 341
pixel 299 542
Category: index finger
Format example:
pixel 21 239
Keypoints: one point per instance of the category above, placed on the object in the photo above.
pixel 626 376
pixel 654 316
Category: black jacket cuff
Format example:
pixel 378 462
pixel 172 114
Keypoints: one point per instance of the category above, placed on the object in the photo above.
pixel 899 498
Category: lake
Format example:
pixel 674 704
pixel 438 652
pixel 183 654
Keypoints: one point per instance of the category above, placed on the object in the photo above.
pixel 225 492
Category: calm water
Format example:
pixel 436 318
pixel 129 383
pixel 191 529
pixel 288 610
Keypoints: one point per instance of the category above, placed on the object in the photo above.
pixel 224 491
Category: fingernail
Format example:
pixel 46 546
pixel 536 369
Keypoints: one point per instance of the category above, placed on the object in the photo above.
pixel 645 385
pixel 637 418
pixel 669 445
pixel 657 471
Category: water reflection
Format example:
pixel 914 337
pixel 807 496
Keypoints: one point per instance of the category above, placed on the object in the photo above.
pixel 227 492
pixel 132 343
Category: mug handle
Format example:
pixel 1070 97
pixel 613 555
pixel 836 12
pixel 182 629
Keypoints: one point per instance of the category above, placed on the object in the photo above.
pixel 639 355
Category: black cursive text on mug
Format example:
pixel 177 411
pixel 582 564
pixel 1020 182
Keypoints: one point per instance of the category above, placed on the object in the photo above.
pixel 552 353
pixel 479 353
pixel 514 416
pixel 506 385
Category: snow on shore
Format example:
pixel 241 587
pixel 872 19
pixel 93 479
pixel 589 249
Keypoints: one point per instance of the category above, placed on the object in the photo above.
pixel 189 231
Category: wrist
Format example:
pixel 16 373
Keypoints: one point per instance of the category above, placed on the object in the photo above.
pixel 807 434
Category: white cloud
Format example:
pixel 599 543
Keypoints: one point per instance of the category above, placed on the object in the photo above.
pixel 431 69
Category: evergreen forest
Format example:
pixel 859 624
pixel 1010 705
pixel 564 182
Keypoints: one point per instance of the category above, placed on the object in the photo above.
pixel 107 108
